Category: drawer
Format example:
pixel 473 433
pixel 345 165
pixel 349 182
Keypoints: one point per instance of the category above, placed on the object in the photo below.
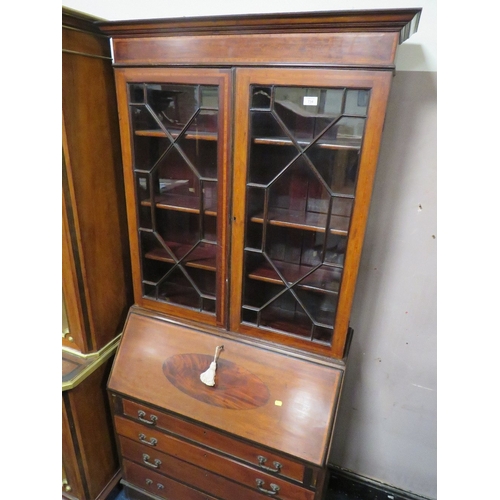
pixel 267 461
pixel 203 458
pixel 227 488
pixel 159 485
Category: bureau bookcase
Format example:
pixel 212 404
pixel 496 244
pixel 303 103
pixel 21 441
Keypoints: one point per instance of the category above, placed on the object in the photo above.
pixel 249 147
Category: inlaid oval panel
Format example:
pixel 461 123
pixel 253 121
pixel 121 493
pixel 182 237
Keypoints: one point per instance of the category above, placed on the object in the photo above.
pixel 235 387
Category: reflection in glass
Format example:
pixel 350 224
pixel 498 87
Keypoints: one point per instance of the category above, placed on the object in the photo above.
pixel 175 161
pixel 302 170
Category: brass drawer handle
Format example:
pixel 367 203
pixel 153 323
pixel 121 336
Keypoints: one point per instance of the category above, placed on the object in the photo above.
pixel 273 491
pixel 151 442
pixel 160 486
pixel 141 414
pixel 155 465
pixel 262 460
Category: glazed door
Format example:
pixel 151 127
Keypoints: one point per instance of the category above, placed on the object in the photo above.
pixel 306 144
pixel 175 132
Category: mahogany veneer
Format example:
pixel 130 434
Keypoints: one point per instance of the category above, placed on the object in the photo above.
pixel 96 278
pixel 266 408
pixel 250 146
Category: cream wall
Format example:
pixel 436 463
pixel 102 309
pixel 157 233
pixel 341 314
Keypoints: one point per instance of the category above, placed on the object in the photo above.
pixel 387 421
pixel 386 427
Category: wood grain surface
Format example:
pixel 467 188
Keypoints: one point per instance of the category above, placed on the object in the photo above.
pixel 236 388
pixel 296 419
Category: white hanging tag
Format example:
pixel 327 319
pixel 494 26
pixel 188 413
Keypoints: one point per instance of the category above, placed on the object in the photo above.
pixel 208 376
pixel 310 100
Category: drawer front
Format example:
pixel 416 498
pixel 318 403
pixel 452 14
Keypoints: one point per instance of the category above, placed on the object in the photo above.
pixel 210 482
pixel 159 485
pixel 267 461
pixel 203 458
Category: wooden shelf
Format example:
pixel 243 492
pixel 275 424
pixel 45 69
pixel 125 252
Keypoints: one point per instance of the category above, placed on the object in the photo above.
pixel 294 323
pixel 203 136
pixel 323 280
pixel 182 203
pixel 308 221
pixel 204 256
pixel 185 296
pixel 346 143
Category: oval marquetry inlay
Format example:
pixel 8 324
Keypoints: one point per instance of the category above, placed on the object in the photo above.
pixel 235 387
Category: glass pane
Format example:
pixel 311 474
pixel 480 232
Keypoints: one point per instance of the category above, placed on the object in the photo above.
pixel 357 102
pixel 350 129
pixel 136 93
pixel 266 130
pixel 304 150
pixel 308 112
pixel 256 294
pixel 337 167
pixel 178 180
pixel 209 97
pixel 321 311
pixel 199 144
pixel 267 161
pixel 323 278
pixel 261 98
pixel 177 288
pixel 142 119
pixel 209 197
pixel 286 314
pixel 175 159
pixel 335 249
pixel 299 189
pixel 174 105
